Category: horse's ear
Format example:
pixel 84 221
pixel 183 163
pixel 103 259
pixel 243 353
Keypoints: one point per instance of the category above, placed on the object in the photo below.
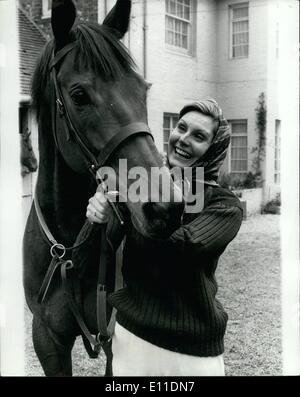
pixel 62 19
pixel 118 18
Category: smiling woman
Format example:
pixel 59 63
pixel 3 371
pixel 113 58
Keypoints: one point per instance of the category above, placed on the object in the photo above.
pixel 190 139
pixel 169 322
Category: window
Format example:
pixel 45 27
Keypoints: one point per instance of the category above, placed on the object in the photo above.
pixel 239 15
pixel 179 21
pixel 47 8
pixel 277 152
pixel 239 147
pixel 170 121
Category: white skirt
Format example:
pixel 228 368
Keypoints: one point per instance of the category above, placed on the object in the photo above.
pixel 133 356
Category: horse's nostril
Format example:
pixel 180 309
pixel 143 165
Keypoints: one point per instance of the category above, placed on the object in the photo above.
pixel 153 211
pixel 168 213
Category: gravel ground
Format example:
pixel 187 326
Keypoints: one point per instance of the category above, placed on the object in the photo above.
pixel 249 288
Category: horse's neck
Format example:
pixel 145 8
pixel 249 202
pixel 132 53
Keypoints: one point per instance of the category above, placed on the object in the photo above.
pixel 62 194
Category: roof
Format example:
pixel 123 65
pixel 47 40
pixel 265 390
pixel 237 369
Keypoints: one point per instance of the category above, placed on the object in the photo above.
pixel 32 41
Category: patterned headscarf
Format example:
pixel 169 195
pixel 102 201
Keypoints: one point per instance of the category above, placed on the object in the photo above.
pixel 215 155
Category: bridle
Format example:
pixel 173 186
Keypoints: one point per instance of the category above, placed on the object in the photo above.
pixel 58 250
pixel 95 162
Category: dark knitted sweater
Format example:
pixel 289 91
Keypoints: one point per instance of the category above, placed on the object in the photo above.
pixel 169 297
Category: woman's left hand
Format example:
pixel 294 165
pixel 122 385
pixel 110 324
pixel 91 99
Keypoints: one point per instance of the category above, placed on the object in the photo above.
pixel 99 209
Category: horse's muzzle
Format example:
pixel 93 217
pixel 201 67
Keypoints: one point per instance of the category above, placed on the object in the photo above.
pixel 163 218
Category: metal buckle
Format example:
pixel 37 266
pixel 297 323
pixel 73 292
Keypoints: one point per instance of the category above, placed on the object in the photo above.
pixel 59 247
pixel 103 339
pixel 60 107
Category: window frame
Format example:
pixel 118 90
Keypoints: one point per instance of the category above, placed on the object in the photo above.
pixel 46 9
pixel 231 21
pixel 174 117
pixel 191 35
pixel 277 152
pixel 238 121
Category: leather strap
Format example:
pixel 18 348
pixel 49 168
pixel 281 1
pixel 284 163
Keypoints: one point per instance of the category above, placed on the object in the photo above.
pixel 116 140
pixel 62 53
pixel 101 287
pixel 66 267
pixel 55 263
pixel 42 222
pixel 50 238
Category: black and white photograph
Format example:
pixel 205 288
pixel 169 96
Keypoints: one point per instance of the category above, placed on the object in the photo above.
pixel 149 190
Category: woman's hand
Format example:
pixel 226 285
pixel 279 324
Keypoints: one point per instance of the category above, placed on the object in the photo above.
pixel 99 209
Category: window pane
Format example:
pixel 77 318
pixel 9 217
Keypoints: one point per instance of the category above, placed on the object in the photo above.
pixel 184 28
pixel 174 121
pixel 185 42
pixel 172 9
pixel 239 153
pixel 187 13
pixel 240 51
pixel 170 23
pixel 179 12
pixel 238 165
pixel 240 12
pixel 240 27
pixel 240 38
pixel 239 141
pixel 167 121
pixel 178 39
pixel 177 26
pixel 239 127
pixel 166 135
pixel 170 37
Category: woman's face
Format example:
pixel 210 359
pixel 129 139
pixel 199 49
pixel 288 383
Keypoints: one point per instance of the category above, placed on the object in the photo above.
pixel 190 139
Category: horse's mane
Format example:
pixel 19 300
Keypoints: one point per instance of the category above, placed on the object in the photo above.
pixel 98 49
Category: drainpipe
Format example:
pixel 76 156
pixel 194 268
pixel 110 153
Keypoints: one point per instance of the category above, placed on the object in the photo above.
pixel 105 8
pixel 145 28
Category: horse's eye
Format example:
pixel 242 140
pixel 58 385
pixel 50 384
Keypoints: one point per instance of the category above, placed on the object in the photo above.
pixel 79 97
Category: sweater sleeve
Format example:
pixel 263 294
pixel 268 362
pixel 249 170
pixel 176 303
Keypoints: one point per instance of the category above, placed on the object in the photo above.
pixel 211 231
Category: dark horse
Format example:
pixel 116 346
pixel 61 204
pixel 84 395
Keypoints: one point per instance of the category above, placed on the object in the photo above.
pixel 102 94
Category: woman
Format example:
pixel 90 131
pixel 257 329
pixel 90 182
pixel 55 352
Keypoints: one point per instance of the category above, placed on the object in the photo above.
pixel 169 322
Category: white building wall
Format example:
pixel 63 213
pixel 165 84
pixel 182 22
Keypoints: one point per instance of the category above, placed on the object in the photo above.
pixel 179 78
pixel 272 98
pixel 240 81
pixel 176 77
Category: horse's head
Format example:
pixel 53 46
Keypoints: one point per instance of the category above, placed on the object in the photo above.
pixel 102 101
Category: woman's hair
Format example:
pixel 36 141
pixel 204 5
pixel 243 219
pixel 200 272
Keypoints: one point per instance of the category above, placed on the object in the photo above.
pixel 208 106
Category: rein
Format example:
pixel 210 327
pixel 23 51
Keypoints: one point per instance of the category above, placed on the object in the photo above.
pixel 58 250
